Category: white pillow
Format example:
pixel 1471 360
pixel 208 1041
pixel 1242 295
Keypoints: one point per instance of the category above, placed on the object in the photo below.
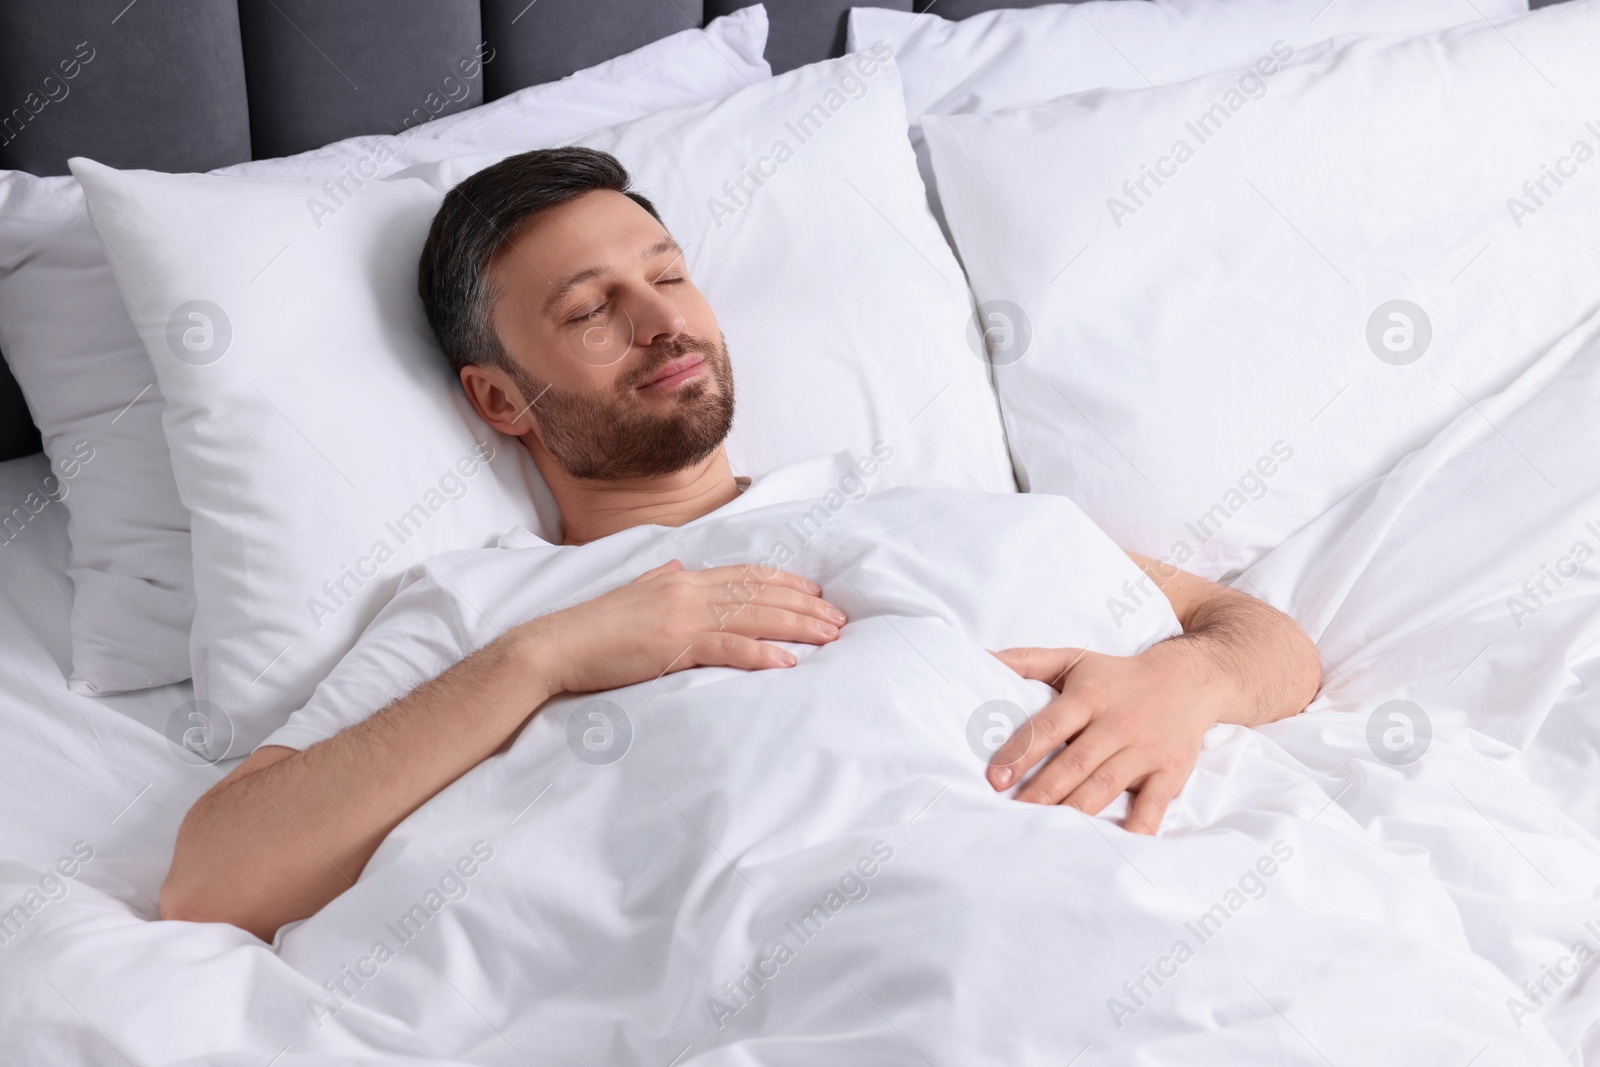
pixel 89 384
pixel 1335 264
pixel 1006 58
pixel 331 411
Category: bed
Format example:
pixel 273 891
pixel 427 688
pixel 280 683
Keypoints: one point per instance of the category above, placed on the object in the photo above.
pixel 1407 872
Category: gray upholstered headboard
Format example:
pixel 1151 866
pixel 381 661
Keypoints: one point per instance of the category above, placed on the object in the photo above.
pixel 204 83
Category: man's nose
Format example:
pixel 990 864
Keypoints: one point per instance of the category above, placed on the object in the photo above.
pixel 655 318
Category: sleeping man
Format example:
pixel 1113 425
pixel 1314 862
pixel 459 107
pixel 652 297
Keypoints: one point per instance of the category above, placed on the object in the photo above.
pixel 568 313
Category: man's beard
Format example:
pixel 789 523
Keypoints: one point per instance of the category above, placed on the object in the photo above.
pixel 616 438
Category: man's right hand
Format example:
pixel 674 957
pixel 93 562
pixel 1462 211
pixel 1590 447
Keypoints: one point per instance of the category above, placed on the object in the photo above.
pixel 670 619
pixel 285 832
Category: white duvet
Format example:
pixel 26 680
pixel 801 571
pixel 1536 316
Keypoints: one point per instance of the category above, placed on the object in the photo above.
pixel 806 866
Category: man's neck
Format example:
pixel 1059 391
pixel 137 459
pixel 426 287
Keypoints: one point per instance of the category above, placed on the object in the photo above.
pixel 591 510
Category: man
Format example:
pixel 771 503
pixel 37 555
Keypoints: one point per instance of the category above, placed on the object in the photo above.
pixel 566 310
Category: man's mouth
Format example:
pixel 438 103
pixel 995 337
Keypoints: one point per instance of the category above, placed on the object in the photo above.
pixel 677 372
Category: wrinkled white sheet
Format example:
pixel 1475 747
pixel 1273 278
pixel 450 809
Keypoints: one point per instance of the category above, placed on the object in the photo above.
pixel 1362 910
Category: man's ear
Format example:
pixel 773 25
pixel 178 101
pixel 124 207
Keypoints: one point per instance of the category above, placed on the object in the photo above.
pixel 498 401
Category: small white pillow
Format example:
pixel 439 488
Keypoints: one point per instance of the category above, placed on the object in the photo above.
pixel 1216 308
pixel 322 446
pixel 89 384
pixel 1007 58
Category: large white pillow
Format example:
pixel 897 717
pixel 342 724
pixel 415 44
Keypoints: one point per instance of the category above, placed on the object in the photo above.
pixel 1217 307
pixel 329 412
pixel 89 384
pixel 1009 58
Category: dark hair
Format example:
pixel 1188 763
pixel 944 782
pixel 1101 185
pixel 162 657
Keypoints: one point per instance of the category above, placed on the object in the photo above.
pixel 476 220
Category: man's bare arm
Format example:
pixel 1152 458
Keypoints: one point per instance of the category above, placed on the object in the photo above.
pixel 288 831
pixel 1137 722
pixel 1258 663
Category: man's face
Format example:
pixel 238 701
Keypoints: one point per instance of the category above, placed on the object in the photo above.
pixel 615 352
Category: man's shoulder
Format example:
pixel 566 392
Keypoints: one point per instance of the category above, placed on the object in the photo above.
pixel 466 577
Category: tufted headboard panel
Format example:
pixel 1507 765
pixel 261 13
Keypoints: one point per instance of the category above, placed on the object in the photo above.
pixel 206 83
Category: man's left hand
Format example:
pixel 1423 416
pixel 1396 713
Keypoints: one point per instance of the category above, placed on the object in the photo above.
pixel 1137 722
pixel 1130 722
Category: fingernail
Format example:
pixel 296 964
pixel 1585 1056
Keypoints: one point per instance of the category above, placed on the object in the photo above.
pixel 789 659
pixel 814 587
pixel 836 615
pixel 1001 776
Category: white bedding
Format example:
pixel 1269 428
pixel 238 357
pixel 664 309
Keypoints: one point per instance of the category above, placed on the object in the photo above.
pixel 72 766
pixel 1401 907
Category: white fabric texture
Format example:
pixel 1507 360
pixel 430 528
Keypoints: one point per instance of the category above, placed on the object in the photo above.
pixel 1010 58
pixel 856 546
pixel 318 452
pixel 77 768
pixel 1379 906
pixel 1218 307
pixel 1466 583
pixel 90 387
